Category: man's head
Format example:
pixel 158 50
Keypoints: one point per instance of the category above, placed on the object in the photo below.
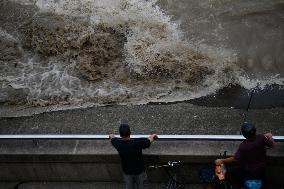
pixel 124 130
pixel 248 130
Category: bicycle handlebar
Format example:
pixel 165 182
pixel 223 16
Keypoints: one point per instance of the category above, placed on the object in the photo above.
pixel 169 164
pixel 174 163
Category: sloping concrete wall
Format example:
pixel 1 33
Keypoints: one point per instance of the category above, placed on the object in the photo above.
pixel 96 160
pixel 180 118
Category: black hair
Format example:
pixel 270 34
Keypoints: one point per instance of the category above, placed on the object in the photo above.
pixel 124 130
pixel 248 130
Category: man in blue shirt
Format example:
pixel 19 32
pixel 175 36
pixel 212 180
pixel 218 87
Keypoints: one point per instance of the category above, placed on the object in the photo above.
pixel 130 152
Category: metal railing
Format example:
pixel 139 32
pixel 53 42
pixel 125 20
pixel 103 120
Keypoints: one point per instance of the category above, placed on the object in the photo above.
pixel 105 137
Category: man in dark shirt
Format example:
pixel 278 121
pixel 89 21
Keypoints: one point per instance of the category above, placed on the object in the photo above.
pixel 251 154
pixel 130 152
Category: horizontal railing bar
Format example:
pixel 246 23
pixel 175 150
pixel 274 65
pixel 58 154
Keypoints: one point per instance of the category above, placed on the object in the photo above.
pixel 100 137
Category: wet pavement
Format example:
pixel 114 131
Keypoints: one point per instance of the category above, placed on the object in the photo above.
pixel 179 118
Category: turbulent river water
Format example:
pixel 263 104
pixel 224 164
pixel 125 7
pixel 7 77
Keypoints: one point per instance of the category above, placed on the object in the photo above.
pixel 136 51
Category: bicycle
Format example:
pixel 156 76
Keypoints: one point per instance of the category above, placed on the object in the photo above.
pixel 175 180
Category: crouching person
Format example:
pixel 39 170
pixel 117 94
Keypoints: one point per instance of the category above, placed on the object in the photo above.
pixel 130 152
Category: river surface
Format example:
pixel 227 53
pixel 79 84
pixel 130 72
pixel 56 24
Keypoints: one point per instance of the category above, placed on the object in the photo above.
pixel 100 52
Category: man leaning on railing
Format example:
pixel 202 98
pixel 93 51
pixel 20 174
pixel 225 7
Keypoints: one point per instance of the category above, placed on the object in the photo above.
pixel 130 152
pixel 251 154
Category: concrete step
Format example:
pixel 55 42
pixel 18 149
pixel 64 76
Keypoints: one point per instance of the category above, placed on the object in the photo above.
pixel 93 185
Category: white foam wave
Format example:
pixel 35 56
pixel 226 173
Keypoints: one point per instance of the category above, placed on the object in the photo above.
pixel 149 31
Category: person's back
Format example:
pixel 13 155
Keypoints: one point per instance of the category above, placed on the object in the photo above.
pixel 252 156
pixel 130 152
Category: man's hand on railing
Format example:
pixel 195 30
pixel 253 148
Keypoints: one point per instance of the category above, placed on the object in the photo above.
pixel 153 137
pixel 111 136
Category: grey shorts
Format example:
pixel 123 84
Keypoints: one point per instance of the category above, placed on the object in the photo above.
pixel 136 181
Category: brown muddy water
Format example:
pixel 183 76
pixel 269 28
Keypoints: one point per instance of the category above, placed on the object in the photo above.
pixel 74 52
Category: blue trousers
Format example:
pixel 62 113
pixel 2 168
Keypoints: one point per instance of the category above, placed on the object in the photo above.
pixel 253 184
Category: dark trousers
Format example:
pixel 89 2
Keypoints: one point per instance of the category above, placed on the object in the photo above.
pixel 136 181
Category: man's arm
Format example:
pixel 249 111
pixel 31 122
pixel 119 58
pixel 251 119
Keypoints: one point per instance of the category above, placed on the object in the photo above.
pixel 112 139
pixel 146 142
pixel 225 161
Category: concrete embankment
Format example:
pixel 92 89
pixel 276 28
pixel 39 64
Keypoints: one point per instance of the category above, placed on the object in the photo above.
pixel 97 161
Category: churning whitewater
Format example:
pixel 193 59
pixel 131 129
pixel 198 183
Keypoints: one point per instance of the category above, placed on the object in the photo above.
pixel 105 52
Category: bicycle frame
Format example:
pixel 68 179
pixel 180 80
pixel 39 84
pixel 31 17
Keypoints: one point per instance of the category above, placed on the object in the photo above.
pixel 173 182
